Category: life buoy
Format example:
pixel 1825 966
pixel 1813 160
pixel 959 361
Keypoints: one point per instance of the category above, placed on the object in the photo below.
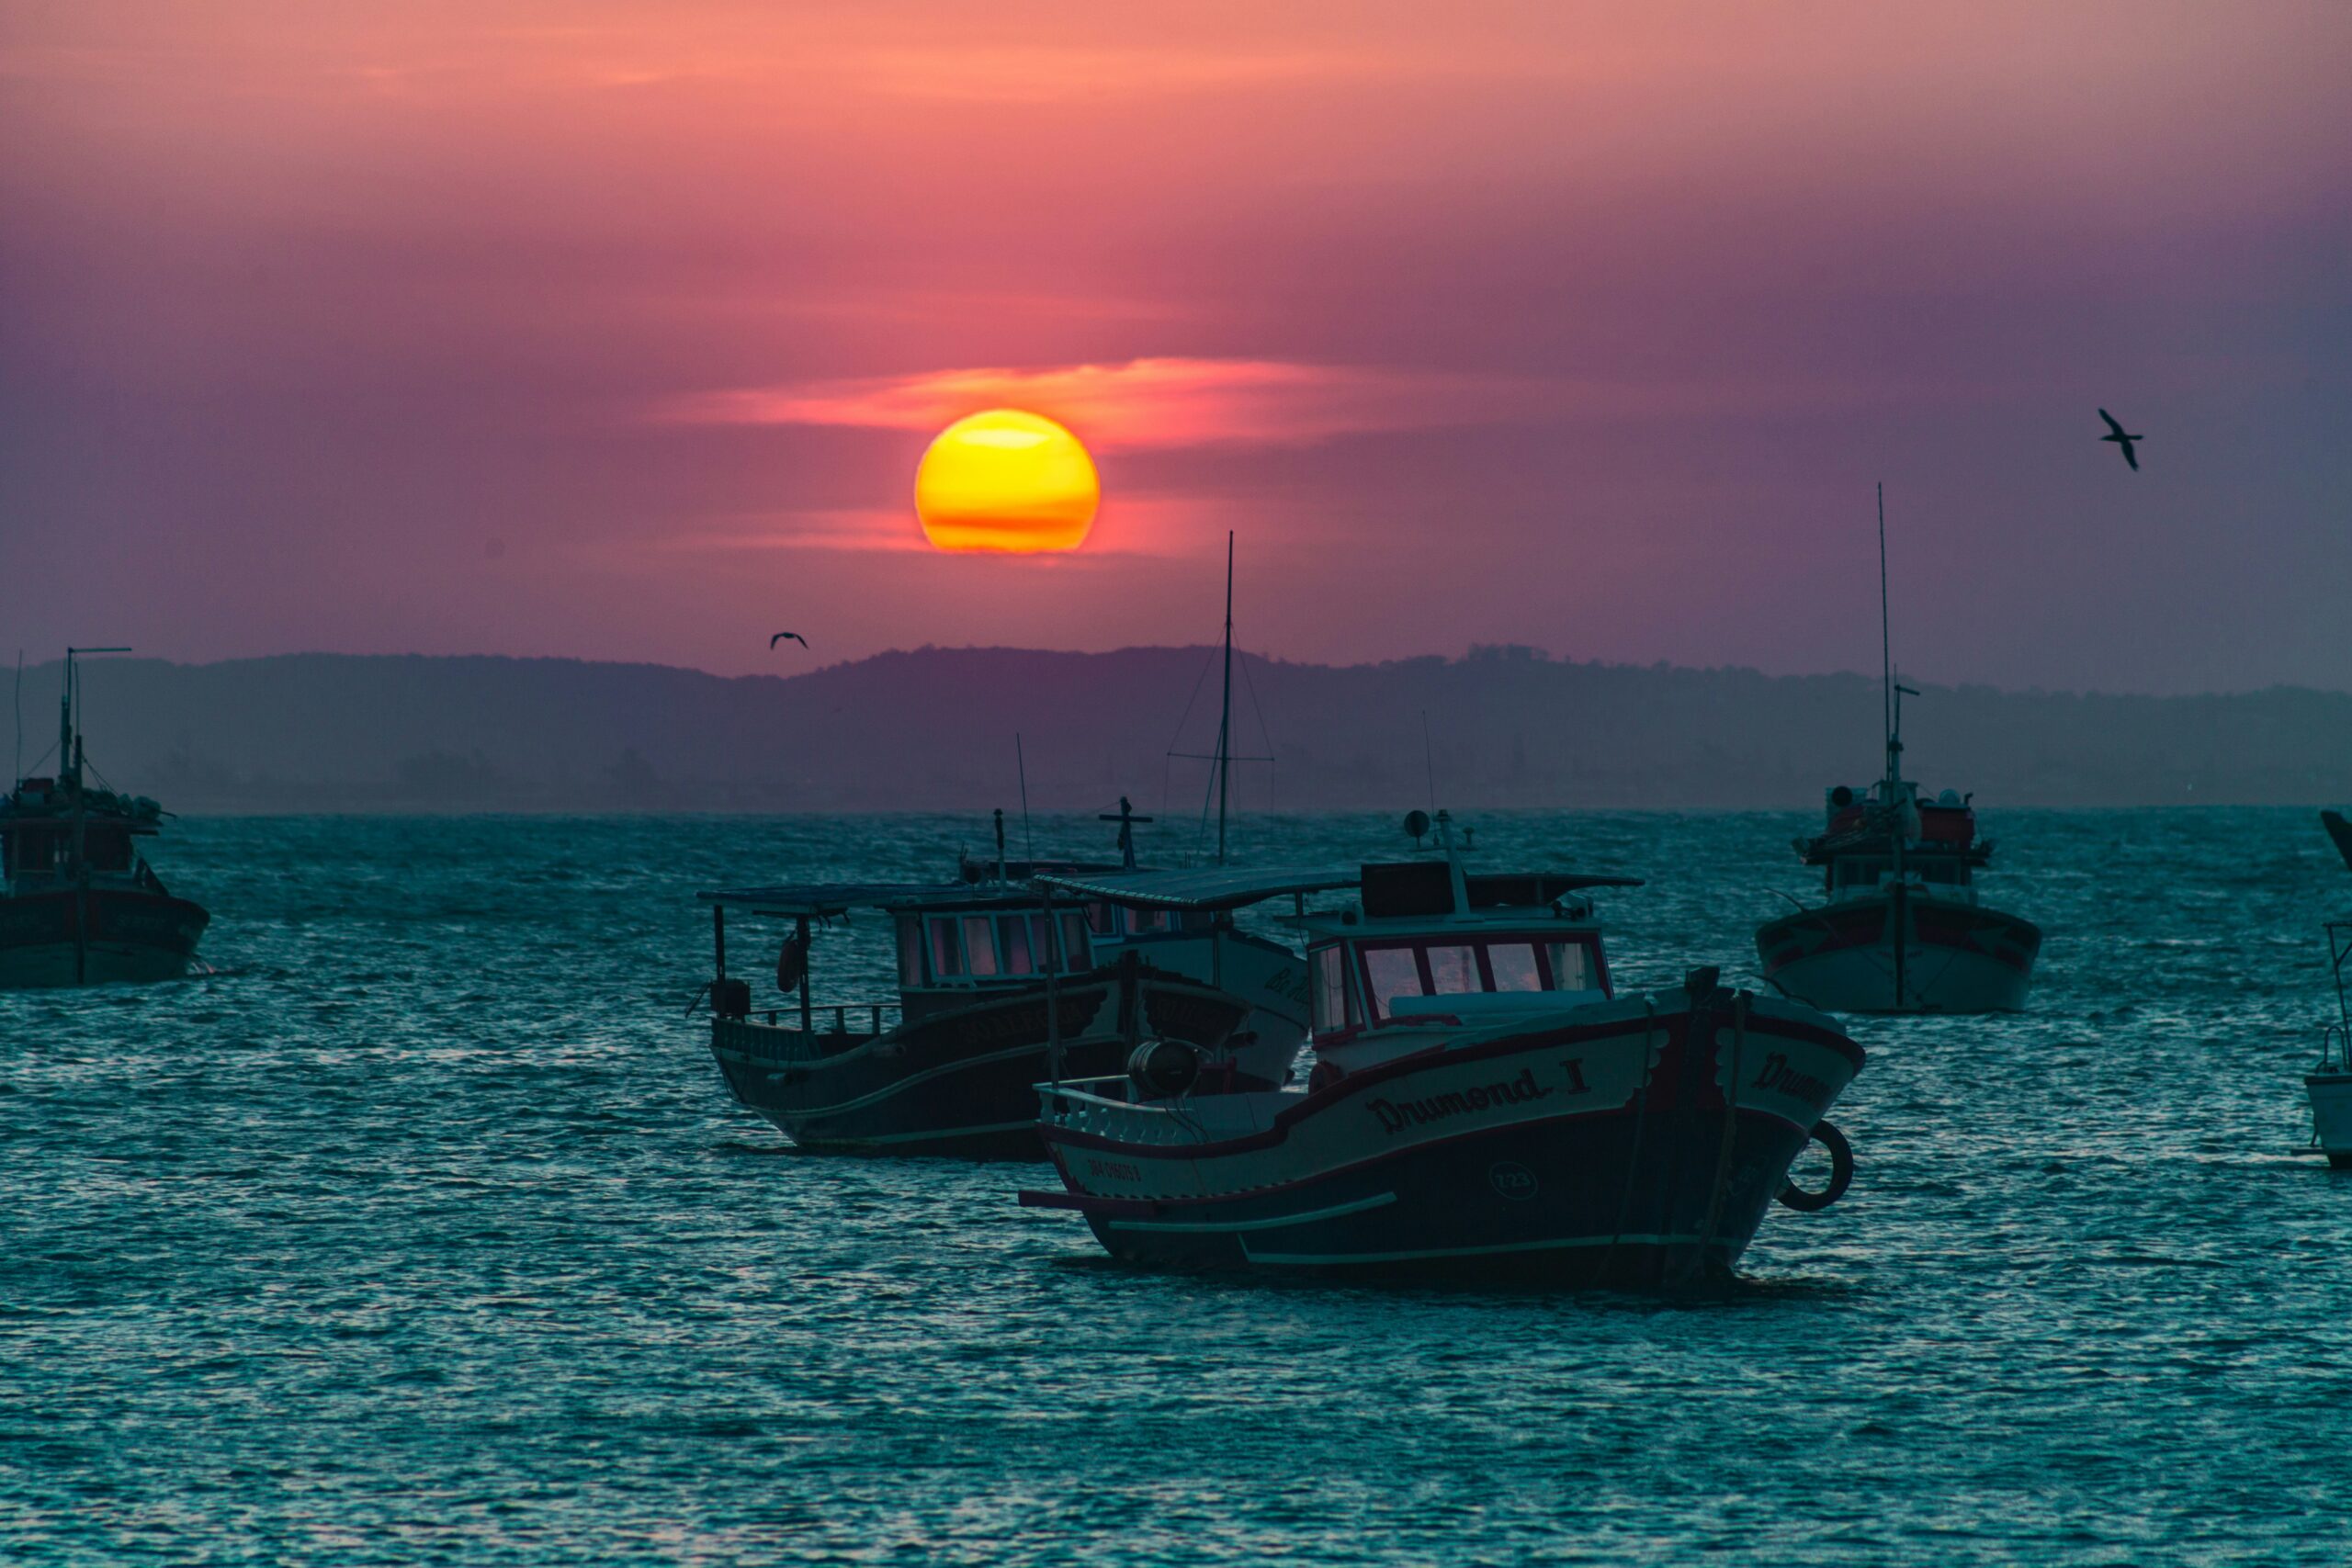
pixel 1841 1172
pixel 791 963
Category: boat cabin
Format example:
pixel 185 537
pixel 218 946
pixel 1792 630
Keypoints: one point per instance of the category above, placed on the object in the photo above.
pixel 42 824
pixel 1429 940
pixel 1872 836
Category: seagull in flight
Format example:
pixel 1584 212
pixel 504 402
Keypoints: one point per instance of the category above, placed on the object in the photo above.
pixel 804 641
pixel 2123 438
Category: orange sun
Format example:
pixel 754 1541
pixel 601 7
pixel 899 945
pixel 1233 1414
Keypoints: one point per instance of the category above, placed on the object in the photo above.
pixel 1006 480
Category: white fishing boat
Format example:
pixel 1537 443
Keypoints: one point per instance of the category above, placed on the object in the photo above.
pixel 1901 927
pixel 1482 1104
pixel 2329 1084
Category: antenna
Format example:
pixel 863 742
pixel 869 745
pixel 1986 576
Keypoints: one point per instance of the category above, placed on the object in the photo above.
pixel 1224 722
pixel 68 751
pixel 1429 759
pixel 17 769
pixel 1028 843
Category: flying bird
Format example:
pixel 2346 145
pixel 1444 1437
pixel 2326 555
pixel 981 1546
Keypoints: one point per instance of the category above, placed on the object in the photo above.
pixel 804 641
pixel 2123 438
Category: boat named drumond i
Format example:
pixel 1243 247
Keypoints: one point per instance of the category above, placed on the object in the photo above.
pixel 1483 1103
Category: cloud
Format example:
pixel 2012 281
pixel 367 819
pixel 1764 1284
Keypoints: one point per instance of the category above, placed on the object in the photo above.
pixel 1148 403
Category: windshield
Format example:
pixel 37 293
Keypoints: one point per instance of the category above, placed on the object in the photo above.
pixel 1515 961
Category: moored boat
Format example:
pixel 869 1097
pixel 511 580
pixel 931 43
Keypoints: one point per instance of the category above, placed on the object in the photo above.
pixel 1901 928
pixel 998 988
pixel 2329 1084
pixel 1483 1103
pixel 2339 833
pixel 81 905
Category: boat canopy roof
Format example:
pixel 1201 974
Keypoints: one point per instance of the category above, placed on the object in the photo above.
pixel 979 884
pixel 1207 887
pixel 821 898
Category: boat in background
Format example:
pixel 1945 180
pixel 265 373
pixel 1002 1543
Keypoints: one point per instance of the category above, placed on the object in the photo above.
pixel 1482 1104
pixel 2329 1085
pixel 1902 928
pixel 999 988
pixel 2339 833
pixel 80 905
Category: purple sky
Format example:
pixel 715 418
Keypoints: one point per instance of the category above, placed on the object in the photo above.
pixel 616 331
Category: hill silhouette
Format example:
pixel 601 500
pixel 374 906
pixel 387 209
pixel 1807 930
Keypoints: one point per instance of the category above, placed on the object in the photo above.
pixel 934 730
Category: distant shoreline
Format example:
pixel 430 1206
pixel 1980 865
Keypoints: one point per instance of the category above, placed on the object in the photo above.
pixel 932 730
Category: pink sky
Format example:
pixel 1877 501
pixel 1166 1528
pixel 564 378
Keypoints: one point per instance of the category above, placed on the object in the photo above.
pixel 616 331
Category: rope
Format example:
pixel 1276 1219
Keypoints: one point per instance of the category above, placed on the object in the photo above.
pixel 1731 1127
pixel 1641 1121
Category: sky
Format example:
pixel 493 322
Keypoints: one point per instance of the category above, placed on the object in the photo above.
pixel 617 331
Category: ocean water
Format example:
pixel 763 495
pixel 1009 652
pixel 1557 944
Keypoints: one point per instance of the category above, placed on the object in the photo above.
pixel 424 1232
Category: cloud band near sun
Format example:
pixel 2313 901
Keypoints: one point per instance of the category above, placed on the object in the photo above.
pixel 1141 404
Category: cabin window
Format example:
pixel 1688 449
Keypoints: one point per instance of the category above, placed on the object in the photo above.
pixel 1077 953
pixel 1453 971
pixel 1101 919
pixel 1513 967
pixel 1394 972
pixel 107 849
pixel 947 957
pixel 34 852
pixel 979 945
pixel 1142 922
pixel 1861 871
pixel 1199 921
pixel 910 951
pixel 1572 967
pixel 1015 946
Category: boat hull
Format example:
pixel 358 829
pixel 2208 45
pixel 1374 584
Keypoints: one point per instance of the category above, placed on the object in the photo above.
pixel 960 1082
pixel 1952 958
pixel 2331 1097
pixel 1620 1144
pixel 95 936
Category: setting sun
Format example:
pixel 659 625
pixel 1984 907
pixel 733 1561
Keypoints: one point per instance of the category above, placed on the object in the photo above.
pixel 1006 480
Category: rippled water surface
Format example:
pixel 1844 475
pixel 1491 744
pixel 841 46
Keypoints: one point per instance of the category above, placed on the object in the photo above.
pixel 425 1232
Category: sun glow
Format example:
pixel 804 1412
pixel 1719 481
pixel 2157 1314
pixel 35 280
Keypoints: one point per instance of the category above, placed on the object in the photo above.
pixel 1006 480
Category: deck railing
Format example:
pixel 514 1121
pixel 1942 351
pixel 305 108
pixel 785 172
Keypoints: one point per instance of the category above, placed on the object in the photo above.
pixel 839 1014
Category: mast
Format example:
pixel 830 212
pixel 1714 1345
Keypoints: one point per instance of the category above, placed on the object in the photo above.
pixel 1891 715
pixel 1886 659
pixel 1225 721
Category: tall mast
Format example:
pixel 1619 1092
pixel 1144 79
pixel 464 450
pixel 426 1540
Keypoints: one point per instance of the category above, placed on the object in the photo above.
pixel 1225 721
pixel 1891 701
pixel 1886 657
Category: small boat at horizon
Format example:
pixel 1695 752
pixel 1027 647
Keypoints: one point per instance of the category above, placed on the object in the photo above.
pixel 1482 1104
pixel 80 905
